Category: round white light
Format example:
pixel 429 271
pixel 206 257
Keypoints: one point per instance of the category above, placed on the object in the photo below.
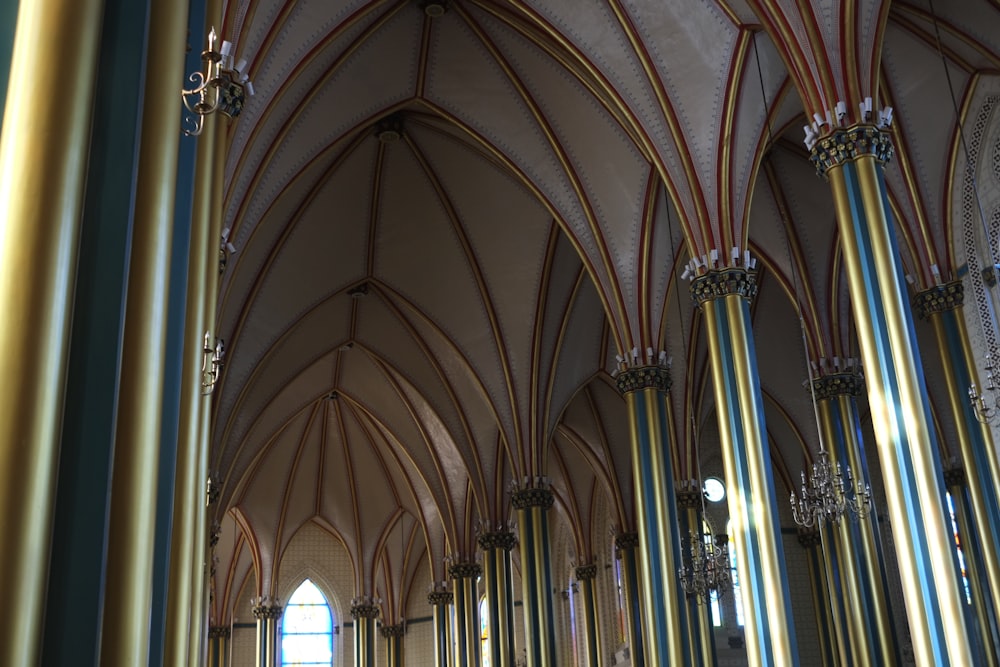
pixel 715 489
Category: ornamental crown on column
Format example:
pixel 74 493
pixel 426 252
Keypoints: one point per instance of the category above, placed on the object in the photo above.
pixel 625 541
pixel 267 608
pixel 809 537
pixel 939 299
pixel 586 572
pixel 365 610
pixel 718 283
pixel 393 631
pixel 842 144
pixel 534 496
pixel 464 570
pixel 440 598
pixel 842 378
pixel 689 494
pixel 218 632
pixel 502 539
pixel 954 476
pixel 643 377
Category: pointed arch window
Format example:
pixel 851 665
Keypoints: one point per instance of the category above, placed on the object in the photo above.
pixel 307 628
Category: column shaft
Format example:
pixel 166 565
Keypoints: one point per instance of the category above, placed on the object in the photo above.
pixel 907 444
pixel 753 510
pixel 393 635
pixel 267 616
pixel 626 547
pixel 499 580
pixel 218 646
pixel 822 603
pixel 439 600
pixel 587 576
pixel 665 621
pixel 364 616
pixel 532 505
pixel 467 642
pixel 700 632
pixel 942 305
pixel 43 167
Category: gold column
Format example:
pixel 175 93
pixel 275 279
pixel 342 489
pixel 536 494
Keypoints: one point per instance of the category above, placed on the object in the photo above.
pixel 907 444
pixel 811 541
pixel 364 616
pixel 218 646
pixel 700 630
pixel 586 575
pixel 43 168
pixel 943 305
pixel 467 642
pixel 645 389
pixel 393 635
pixel 856 543
pixel 724 296
pixel 626 546
pixel 439 599
pixel 499 582
pixel 532 504
pixel 131 535
pixel 267 614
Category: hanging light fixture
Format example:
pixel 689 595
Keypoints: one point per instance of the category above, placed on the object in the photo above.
pixel 707 570
pixel 823 498
pixel 222 86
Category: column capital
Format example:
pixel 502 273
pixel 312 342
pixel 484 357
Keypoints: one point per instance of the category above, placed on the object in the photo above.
pixel 365 611
pixel 643 377
pixel 440 598
pixel 585 572
pixel 532 497
pixel 809 537
pixel 955 476
pixel 838 384
pixel 939 299
pixel 844 145
pixel 689 498
pixel 267 611
pixel 497 540
pixel 219 632
pixel 393 631
pixel 465 570
pixel 624 541
pixel 719 283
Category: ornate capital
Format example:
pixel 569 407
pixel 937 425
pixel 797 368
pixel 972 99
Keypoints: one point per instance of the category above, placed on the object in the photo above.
pixel 586 572
pixel 719 283
pixel 218 632
pixel 689 498
pixel 532 497
pixel 939 299
pixel 365 611
pixel 440 598
pixel 624 541
pixel 643 377
pixel 847 144
pixel 809 537
pixel 838 384
pixel 393 631
pixel 465 571
pixel 270 612
pixel 499 540
pixel 954 476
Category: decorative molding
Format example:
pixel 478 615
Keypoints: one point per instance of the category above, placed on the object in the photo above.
pixel 497 540
pixel 954 476
pixel 270 612
pixel 465 571
pixel 624 541
pixel 365 611
pixel 689 498
pixel 847 144
pixel 219 632
pixel 719 283
pixel 809 538
pixel 586 572
pixel 440 598
pixel 838 384
pixel 644 377
pixel 522 499
pixel 939 299
pixel 393 631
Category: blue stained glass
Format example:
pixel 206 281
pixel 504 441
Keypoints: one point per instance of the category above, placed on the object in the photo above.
pixel 306 629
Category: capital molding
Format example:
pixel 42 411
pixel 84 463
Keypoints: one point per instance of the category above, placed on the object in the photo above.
pixel 719 283
pixel 809 537
pixel 440 598
pixel 585 572
pixel 847 144
pixel 532 497
pixel 464 570
pixel 643 377
pixel 393 631
pixel 365 611
pixel 270 612
pixel 838 384
pixel 219 632
pixel 939 299
pixel 497 540
pixel 624 541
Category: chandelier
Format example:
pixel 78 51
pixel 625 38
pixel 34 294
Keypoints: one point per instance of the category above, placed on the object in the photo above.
pixel 707 570
pixel 221 87
pixel 823 497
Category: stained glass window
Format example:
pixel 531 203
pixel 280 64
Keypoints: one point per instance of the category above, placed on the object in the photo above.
pixel 484 631
pixel 306 628
pixel 958 548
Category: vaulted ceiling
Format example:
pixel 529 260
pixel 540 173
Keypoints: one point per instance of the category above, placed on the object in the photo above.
pixel 449 218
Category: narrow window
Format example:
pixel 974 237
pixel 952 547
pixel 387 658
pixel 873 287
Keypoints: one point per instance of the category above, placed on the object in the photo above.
pixel 307 628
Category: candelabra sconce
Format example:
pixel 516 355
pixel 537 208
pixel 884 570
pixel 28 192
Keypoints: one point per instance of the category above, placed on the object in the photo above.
pixel 211 363
pixel 984 411
pixel 707 570
pixel 222 86
pixel 823 497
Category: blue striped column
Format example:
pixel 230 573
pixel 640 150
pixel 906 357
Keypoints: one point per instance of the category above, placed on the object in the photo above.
pixel 440 600
pixel 532 505
pixel 467 642
pixel 626 550
pixel 665 623
pixel 364 616
pixel 586 575
pixel 700 630
pixel 499 579
pixel 942 306
pixel 811 541
pixel 267 615
pixel 393 635
pixel 218 646
pixel 724 296
pixel 852 161
pixel 854 544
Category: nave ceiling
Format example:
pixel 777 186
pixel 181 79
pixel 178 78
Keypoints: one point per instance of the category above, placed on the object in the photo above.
pixel 446 228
